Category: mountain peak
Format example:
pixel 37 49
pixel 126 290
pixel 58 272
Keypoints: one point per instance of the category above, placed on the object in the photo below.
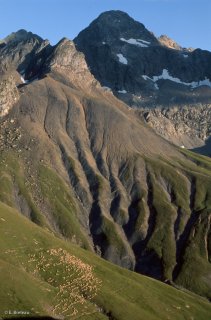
pixel 168 42
pixel 114 14
pixel 20 35
pixel 66 60
pixel 111 26
pixel 64 52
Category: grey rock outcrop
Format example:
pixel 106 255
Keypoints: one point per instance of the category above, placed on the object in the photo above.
pixel 187 127
pixel 171 44
pixel 64 58
pixel 168 42
pixel 25 52
pixel 9 94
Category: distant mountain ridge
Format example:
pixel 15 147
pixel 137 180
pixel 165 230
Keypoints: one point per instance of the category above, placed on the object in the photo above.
pixel 20 35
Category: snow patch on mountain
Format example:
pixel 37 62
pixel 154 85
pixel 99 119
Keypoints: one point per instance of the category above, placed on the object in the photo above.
pixel 24 80
pixel 122 91
pixel 156 86
pixel 137 42
pixel 106 88
pixel 146 77
pixel 122 59
pixel 166 76
pixel 205 82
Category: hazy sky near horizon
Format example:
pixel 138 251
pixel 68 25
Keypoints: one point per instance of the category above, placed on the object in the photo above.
pixel 186 21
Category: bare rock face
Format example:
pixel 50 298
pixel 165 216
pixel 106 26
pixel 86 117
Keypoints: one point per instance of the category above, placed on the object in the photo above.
pixel 188 127
pixel 22 55
pixel 16 48
pixel 140 69
pixel 25 57
pixel 9 95
pixel 168 42
pixel 67 60
pixel 151 74
pixel 65 55
pixel 171 44
pixel 19 36
pixel 24 52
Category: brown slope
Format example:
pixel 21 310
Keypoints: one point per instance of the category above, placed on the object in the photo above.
pixel 135 198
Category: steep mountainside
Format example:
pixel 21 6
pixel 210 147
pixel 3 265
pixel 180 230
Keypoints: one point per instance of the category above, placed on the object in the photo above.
pixel 146 72
pixel 78 162
pixel 184 126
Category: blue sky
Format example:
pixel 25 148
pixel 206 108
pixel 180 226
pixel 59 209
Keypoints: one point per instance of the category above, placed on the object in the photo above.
pixel 186 21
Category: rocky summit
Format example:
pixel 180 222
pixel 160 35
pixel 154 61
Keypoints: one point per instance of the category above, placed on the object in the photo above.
pixel 80 168
pixel 146 72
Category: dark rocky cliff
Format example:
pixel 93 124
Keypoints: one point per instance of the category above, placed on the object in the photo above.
pixel 150 73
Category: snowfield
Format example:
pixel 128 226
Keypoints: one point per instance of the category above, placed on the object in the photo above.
pixel 122 91
pixel 137 42
pixel 122 59
pixel 166 76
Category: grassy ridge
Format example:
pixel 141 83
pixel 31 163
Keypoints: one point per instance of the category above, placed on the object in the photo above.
pixel 170 188
pixel 183 219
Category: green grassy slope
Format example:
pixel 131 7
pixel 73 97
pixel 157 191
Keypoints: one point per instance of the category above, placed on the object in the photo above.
pixel 178 226
pixel 181 237
pixel 109 184
pixel 40 187
pixel 44 275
